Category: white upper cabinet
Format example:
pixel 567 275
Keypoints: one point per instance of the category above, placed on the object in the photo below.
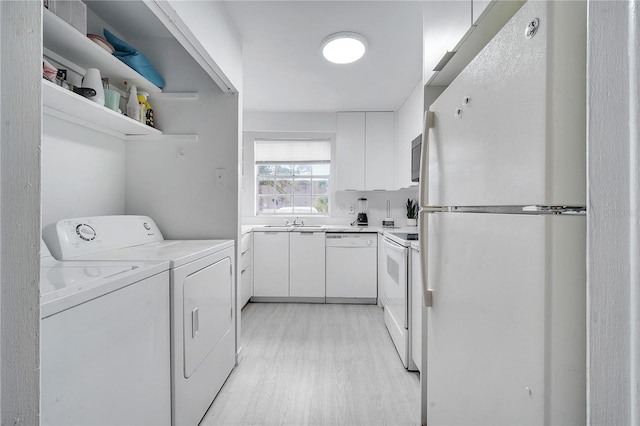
pixel 379 136
pixel 479 6
pixel 350 151
pixel 445 23
pixel 364 151
pixel 455 31
pixel 206 32
pixel 408 126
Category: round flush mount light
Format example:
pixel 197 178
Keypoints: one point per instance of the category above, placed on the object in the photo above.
pixel 344 47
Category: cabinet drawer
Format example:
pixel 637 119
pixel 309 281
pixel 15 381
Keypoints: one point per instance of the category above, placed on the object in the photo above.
pixel 246 275
pixel 245 242
pixel 246 259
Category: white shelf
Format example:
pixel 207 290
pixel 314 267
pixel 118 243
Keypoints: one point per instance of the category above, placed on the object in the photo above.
pixel 71 44
pixel 69 106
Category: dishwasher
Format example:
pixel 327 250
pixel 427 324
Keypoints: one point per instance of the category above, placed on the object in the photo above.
pixel 352 268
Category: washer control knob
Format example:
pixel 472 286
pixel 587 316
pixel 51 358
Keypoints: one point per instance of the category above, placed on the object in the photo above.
pixel 86 232
pixel 147 226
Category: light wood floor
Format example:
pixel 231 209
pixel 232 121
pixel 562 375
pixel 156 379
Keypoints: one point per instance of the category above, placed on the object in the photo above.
pixel 308 364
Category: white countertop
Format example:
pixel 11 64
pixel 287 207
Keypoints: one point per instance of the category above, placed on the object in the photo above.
pixel 329 228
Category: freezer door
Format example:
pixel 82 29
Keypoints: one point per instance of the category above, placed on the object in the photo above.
pixel 510 130
pixel 506 331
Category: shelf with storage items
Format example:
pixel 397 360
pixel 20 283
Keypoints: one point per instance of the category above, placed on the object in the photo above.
pixel 76 48
pixel 67 46
pixel 71 107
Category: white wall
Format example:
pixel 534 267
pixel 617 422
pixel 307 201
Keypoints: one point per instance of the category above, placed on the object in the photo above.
pixel 20 115
pixel 210 23
pixel 82 172
pixel 277 124
pixel 408 126
pixel 314 124
pixel 174 181
pixel 289 121
pixel 613 328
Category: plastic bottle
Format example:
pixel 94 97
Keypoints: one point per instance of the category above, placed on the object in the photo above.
pixel 133 107
pixel 146 112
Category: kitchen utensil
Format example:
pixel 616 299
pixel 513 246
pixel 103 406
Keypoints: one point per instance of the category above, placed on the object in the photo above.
pixel 87 92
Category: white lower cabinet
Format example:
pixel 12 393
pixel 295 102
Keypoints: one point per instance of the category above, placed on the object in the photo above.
pixel 271 264
pixel 246 268
pixel 416 309
pixel 307 264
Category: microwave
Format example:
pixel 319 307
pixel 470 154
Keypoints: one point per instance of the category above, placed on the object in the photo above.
pixel 416 152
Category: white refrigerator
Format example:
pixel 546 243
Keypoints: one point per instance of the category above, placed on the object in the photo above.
pixel 503 229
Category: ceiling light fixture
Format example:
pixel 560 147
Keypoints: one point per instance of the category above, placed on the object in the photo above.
pixel 344 47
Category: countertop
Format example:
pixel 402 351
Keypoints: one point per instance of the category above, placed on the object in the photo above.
pixel 340 228
pixel 327 228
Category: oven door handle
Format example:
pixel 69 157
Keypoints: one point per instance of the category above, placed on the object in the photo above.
pixel 393 245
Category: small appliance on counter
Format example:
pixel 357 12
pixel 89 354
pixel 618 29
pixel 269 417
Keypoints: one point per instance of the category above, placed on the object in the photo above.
pixel 388 221
pixel 362 219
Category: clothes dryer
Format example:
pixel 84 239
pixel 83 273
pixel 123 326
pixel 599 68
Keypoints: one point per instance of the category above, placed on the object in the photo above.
pixel 202 297
pixel 104 333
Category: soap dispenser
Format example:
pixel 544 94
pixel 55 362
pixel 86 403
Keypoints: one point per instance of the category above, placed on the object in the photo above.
pixel 133 106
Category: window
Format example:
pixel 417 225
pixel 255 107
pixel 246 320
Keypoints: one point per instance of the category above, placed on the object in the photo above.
pixel 292 177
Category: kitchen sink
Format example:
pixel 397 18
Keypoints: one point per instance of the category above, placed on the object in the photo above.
pixel 291 227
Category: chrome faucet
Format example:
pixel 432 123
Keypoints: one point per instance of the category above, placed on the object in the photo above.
pixel 295 222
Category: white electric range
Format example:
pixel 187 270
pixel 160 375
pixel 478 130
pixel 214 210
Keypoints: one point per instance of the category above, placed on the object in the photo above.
pixel 396 293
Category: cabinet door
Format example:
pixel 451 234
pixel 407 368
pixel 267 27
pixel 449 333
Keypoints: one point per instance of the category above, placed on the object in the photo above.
pixel 379 135
pixel 416 309
pixel 246 268
pixel 445 24
pixel 479 6
pixel 271 264
pixel 350 151
pixel 307 264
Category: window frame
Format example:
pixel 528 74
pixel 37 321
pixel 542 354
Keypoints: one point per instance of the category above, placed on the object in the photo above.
pixel 251 137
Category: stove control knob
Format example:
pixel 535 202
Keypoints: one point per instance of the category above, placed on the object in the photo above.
pixel 86 232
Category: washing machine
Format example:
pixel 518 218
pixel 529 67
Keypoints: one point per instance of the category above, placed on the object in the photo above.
pixel 104 342
pixel 202 289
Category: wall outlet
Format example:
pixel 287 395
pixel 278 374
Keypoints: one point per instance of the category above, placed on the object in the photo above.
pixel 352 208
pixel 221 177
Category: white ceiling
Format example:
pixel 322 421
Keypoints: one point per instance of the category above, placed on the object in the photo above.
pixel 284 69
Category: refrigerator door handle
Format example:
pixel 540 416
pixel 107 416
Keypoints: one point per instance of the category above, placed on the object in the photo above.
pixel 427 293
pixel 423 196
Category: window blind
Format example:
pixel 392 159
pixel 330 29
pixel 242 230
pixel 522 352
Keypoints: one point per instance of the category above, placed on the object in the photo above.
pixel 294 151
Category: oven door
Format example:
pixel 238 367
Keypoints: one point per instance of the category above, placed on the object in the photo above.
pixel 394 281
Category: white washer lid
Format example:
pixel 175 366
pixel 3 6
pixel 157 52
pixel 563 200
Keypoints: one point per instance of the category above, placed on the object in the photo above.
pixel 177 252
pixel 64 285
